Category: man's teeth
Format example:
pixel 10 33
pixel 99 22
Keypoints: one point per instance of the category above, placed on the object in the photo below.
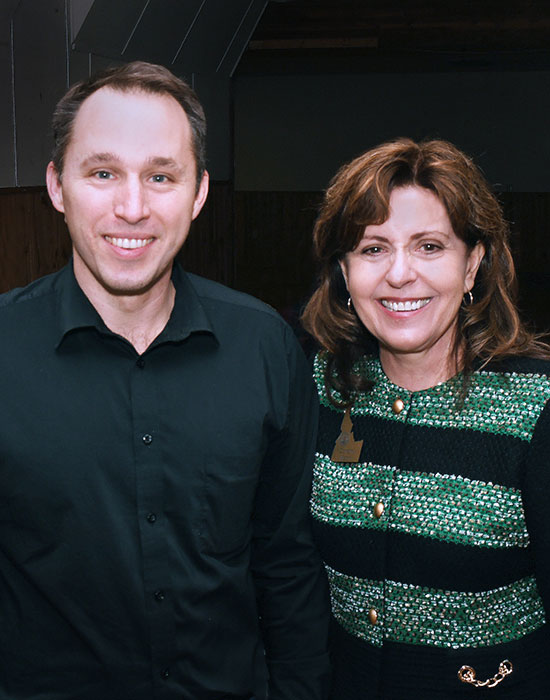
pixel 129 242
pixel 404 305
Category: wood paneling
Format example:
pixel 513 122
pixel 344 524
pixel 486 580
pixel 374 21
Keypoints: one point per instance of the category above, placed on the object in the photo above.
pixel 210 246
pixel 529 217
pixel 34 240
pixel 33 236
pixel 258 242
pixel 273 259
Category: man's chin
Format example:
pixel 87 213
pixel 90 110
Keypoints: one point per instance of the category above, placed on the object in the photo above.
pixel 121 285
pixel 128 288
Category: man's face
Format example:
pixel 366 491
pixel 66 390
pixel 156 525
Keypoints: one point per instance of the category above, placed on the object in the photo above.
pixel 128 190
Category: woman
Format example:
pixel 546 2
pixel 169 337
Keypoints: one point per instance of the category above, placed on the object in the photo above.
pixel 432 478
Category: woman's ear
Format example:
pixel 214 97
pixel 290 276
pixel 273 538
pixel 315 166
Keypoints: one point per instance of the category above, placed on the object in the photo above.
pixel 344 269
pixel 474 261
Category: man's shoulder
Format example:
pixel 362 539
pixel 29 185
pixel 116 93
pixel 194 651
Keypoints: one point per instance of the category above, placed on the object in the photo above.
pixel 37 294
pixel 240 320
pixel 28 319
pixel 218 296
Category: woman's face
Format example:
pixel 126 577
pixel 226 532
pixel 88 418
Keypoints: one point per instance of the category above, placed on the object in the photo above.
pixel 407 277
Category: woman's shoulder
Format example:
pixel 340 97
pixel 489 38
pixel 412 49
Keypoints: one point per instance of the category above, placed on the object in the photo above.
pixel 518 364
pixel 325 374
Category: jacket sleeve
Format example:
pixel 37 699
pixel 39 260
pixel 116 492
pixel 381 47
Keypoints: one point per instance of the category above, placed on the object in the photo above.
pixel 290 581
pixel 536 499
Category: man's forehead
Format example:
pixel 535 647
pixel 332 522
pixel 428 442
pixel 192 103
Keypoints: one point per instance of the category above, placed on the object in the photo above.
pixel 112 115
pixel 109 98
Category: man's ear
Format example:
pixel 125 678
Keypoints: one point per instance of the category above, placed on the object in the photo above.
pixel 200 197
pixel 53 184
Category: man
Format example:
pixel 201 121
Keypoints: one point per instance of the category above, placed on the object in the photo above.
pixel 156 438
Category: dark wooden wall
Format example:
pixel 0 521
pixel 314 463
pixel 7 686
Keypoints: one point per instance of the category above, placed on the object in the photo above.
pixel 33 236
pixel 529 217
pixel 258 242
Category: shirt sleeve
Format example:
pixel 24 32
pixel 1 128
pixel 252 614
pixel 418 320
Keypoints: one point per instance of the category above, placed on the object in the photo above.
pixel 536 495
pixel 290 581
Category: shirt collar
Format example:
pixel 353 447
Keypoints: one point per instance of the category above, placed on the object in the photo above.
pixel 74 309
pixel 188 315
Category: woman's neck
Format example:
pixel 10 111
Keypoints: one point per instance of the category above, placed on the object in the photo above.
pixel 417 371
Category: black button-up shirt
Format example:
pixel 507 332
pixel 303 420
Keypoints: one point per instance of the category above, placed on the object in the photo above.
pixel 154 537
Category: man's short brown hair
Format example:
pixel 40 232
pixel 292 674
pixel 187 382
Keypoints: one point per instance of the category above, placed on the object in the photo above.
pixel 135 76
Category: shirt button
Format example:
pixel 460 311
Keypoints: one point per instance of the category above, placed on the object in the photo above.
pixel 147 439
pixel 151 518
pixel 165 673
pixel 373 616
pixel 140 362
pixel 159 595
pixel 397 406
pixel 378 510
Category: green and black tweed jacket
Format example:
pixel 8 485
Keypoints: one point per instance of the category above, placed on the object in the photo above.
pixel 436 541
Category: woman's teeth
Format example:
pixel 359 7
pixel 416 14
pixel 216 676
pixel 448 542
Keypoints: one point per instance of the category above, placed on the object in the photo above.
pixel 404 305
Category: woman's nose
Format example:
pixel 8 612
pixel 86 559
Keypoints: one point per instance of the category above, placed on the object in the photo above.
pixel 401 269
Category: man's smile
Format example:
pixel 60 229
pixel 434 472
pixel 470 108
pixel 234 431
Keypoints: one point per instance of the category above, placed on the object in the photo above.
pixel 129 243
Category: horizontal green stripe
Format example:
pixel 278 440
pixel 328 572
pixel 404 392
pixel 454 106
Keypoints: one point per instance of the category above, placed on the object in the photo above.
pixel 448 619
pixel 439 506
pixel 500 403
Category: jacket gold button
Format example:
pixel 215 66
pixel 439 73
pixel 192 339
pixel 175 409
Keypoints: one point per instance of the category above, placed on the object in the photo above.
pixel 373 616
pixel 378 510
pixel 397 406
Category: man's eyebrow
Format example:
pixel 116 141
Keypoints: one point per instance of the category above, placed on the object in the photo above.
pixel 100 159
pixel 104 158
pixel 162 162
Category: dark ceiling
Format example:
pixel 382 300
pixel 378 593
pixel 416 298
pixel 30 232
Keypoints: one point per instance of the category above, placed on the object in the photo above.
pixel 387 35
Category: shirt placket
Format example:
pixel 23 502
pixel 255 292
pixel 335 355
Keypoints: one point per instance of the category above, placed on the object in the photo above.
pixel 149 475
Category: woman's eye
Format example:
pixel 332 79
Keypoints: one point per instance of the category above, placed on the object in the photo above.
pixel 430 247
pixel 372 250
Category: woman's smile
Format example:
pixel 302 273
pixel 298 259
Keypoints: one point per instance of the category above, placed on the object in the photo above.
pixel 407 278
pixel 407 305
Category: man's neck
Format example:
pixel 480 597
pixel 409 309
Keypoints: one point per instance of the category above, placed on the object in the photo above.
pixel 139 318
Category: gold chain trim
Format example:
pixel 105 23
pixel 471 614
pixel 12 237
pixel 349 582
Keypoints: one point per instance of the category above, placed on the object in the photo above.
pixel 468 675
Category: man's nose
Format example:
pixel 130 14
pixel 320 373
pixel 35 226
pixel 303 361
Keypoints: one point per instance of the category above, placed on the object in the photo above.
pixel 131 201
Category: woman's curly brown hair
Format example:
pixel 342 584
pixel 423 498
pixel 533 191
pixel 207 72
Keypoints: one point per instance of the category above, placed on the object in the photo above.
pixel 359 195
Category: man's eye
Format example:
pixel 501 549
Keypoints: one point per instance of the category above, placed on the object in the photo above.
pixel 103 175
pixel 159 178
